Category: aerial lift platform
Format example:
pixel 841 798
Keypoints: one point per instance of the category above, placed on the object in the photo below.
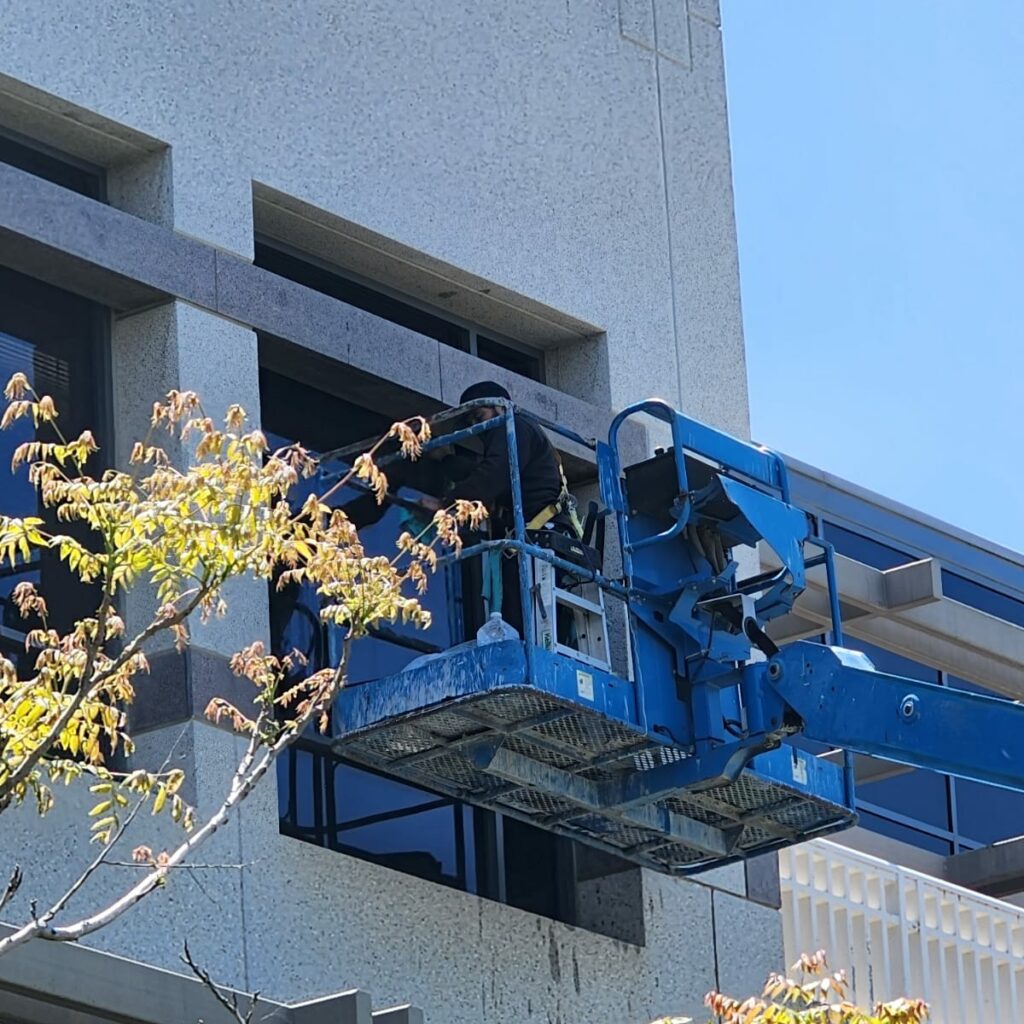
pixel 689 756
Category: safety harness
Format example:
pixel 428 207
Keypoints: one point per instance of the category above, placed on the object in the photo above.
pixel 566 505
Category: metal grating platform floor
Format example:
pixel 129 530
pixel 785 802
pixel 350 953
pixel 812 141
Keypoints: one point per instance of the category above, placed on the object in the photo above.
pixel 541 757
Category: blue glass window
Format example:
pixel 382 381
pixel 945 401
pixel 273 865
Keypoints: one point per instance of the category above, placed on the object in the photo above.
pixel 985 814
pixel 988 814
pixel 864 549
pixel 894 664
pixel 918 794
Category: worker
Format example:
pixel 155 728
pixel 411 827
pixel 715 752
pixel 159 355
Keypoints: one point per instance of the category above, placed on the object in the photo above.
pixel 485 477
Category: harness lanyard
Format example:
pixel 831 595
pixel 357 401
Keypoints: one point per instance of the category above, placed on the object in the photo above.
pixel 566 504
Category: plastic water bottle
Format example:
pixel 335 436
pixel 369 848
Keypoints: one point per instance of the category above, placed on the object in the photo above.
pixel 495 630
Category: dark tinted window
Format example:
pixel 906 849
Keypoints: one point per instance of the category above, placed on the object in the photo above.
pixel 526 364
pixel 355 294
pixel 78 178
pixel 864 549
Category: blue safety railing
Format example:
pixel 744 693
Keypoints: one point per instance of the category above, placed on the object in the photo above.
pixel 518 541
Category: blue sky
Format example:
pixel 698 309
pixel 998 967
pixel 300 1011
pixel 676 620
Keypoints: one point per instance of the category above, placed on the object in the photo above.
pixel 878 161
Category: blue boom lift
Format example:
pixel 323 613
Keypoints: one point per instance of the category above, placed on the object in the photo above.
pixel 690 757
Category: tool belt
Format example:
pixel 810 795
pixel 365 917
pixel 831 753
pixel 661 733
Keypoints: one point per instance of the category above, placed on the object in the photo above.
pixel 566 547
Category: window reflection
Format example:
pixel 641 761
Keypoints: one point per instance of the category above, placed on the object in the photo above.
pixel 905 834
pixel 918 794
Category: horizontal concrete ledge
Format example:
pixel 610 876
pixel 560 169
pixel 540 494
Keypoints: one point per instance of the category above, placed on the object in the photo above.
pixel 60 983
pixel 994 870
pixel 72 129
pixel 75 274
pixel 126 263
pixel 155 262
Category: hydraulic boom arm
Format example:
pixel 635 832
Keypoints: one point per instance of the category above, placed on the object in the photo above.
pixel 843 701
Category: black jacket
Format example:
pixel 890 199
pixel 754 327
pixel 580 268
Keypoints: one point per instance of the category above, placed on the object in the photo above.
pixel 488 481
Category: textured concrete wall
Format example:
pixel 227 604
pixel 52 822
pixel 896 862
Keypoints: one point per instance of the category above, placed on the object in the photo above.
pixel 269 913
pixel 573 153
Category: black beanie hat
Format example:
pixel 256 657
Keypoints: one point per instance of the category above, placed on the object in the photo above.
pixel 484 389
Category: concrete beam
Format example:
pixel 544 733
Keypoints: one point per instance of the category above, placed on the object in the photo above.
pixel 903 610
pixel 994 870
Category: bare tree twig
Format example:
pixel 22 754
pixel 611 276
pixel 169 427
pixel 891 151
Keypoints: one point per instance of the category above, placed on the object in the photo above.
pixel 41 921
pixel 94 865
pixel 229 1004
pixel 13 885
pixel 185 867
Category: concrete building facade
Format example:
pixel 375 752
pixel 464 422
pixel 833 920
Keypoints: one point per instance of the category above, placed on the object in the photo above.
pixel 342 214
pixel 550 182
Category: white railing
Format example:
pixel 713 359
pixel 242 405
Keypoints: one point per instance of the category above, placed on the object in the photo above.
pixel 899 932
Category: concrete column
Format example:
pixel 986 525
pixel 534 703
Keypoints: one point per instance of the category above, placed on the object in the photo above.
pixel 179 346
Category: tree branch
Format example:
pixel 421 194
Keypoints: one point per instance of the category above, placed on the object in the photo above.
pixel 231 1005
pixel 13 885
pixel 40 922
pixel 43 747
pixel 247 775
